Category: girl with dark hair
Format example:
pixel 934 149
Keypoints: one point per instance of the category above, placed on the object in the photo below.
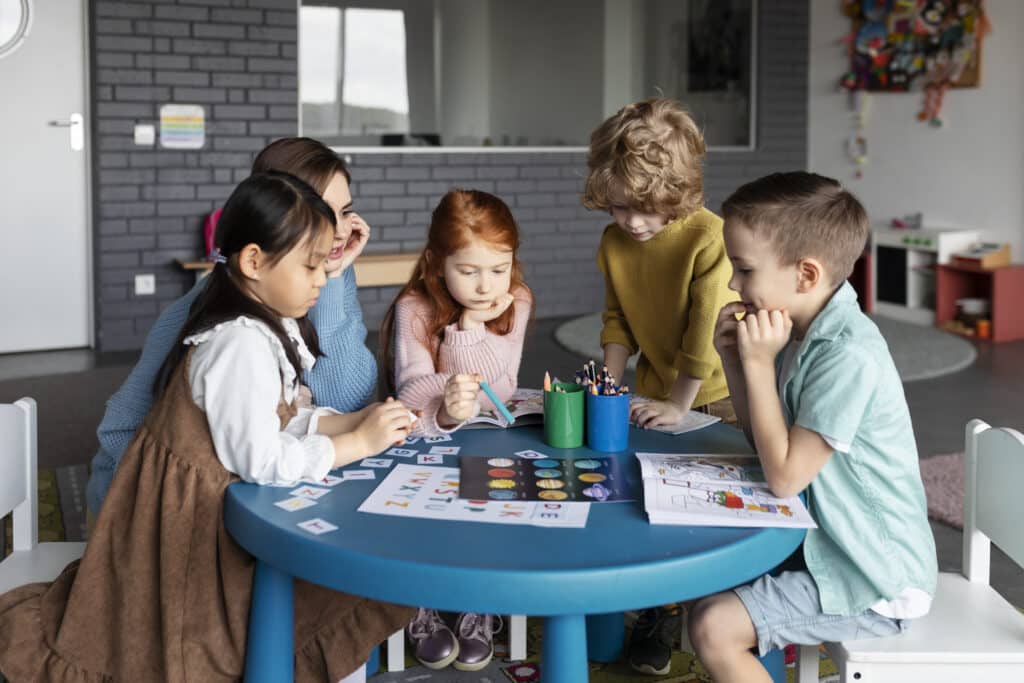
pixel 163 592
pixel 460 319
pixel 345 378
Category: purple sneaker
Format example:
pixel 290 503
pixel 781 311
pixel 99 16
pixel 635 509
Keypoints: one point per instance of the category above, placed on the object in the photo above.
pixel 476 640
pixel 434 644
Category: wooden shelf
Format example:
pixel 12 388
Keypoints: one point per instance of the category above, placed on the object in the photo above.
pixel 380 270
pixel 372 270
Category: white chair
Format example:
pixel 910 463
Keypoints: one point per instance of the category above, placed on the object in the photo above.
pixel 30 560
pixel 516 643
pixel 971 632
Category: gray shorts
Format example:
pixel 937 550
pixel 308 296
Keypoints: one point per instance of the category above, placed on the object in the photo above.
pixel 786 609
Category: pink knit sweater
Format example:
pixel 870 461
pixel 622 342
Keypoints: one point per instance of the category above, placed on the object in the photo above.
pixel 420 385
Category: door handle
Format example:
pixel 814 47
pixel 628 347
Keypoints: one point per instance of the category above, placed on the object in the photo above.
pixel 75 130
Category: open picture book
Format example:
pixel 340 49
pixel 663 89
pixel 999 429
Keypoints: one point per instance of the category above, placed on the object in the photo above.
pixel 526 406
pixel 715 490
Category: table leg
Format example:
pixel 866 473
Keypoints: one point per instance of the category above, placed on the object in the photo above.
pixel 564 656
pixel 270 652
pixel 605 636
pixel 775 662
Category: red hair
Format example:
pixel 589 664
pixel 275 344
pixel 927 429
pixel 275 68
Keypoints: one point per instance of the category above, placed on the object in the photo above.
pixel 461 216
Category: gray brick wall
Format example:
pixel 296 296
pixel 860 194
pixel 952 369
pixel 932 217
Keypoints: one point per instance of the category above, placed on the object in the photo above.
pixel 237 57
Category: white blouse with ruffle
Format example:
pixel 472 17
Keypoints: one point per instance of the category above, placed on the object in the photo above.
pixel 238 374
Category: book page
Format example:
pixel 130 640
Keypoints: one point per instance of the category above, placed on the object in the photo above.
pixel 691 421
pixel 715 490
pixel 524 402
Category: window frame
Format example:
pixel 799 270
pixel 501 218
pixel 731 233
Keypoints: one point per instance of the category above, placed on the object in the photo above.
pixel 751 146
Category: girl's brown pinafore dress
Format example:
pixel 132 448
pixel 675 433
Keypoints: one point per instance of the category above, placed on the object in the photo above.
pixel 162 592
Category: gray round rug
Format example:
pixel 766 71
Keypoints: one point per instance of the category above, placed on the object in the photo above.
pixel 919 351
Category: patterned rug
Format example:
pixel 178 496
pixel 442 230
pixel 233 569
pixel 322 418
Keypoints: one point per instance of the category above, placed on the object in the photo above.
pixel 61 507
pixel 686 668
pixel 943 477
pixel 919 352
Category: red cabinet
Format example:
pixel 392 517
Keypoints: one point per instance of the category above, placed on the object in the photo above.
pixel 1003 287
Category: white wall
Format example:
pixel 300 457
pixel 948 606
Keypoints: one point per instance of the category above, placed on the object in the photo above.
pixel 969 173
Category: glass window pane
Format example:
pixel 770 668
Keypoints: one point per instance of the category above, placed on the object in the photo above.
pixel 319 69
pixel 375 98
pixel 480 73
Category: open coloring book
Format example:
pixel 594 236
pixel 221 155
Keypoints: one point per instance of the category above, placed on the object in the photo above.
pixel 526 406
pixel 715 490
pixel 691 421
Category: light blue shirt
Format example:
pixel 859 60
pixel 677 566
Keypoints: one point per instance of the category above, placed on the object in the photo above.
pixel 873 539
pixel 345 378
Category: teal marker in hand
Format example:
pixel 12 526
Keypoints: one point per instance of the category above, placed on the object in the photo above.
pixel 498 403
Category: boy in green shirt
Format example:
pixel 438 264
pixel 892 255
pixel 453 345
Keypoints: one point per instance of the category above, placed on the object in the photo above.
pixel 817 392
pixel 666 277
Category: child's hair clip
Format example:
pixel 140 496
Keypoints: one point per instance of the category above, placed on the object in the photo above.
pixel 216 256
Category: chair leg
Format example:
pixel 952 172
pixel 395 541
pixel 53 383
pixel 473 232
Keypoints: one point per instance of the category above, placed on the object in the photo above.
pixel 396 651
pixel 807 661
pixel 517 637
pixel 684 633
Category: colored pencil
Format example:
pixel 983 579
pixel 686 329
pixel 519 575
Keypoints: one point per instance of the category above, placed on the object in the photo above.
pixel 509 417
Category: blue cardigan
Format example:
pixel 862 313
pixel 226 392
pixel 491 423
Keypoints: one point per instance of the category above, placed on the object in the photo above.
pixel 345 379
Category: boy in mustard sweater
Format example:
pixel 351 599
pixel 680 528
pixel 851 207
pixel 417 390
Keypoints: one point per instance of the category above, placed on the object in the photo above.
pixel 666 277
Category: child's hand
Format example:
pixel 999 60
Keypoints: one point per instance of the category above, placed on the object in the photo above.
pixel 760 337
pixel 471 318
pixel 725 332
pixel 656 414
pixel 460 397
pixel 383 425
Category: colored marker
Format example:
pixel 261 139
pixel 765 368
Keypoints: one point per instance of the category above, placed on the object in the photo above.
pixel 509 417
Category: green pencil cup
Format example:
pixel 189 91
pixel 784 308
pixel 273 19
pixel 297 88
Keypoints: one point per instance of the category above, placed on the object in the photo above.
pixel 563 416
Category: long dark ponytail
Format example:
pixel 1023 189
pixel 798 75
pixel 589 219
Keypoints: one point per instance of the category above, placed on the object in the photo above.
pixel 275 211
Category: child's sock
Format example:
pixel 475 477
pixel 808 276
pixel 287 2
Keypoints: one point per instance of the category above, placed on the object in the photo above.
pixel 357 676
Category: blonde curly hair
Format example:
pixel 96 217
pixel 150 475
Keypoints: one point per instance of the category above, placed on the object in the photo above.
pixel 648 155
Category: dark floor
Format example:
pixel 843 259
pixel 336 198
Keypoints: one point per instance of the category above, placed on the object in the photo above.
pixel 991 389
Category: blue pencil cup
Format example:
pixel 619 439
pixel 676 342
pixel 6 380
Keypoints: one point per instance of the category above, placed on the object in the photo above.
pixel 608 422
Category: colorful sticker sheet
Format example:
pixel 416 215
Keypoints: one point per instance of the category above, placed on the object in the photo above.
pixel 595 480
pixel 433 493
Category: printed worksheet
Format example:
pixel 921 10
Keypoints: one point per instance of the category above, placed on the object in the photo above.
pixel 433 493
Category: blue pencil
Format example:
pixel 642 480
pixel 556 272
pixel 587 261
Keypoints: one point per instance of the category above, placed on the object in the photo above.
pixel 497 402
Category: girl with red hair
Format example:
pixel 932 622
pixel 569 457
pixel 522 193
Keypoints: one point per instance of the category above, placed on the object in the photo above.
pixel 460 319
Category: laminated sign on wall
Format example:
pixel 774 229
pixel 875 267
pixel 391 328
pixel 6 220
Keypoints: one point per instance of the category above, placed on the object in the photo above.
pixel 182 126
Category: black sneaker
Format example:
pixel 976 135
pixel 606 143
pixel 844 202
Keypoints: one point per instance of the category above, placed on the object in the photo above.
pixel 652 640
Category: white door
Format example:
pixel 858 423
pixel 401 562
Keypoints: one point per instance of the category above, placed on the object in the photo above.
pixel 45 284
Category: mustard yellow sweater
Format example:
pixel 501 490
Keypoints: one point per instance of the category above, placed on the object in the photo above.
pixel 662 297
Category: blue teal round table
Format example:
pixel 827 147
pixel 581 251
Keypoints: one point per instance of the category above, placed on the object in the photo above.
pixel 618 562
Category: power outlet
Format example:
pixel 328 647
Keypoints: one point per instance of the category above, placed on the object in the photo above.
pixel 145 284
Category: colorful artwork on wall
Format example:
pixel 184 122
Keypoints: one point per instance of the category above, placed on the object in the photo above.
pixel 895 43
